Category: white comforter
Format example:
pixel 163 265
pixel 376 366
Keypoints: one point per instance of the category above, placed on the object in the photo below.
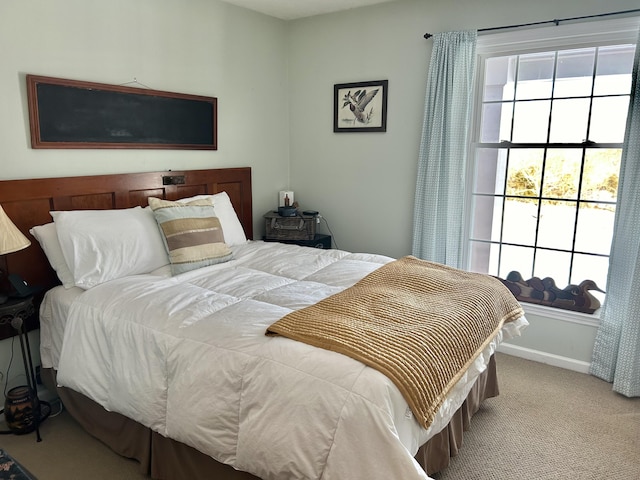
pixel 187 356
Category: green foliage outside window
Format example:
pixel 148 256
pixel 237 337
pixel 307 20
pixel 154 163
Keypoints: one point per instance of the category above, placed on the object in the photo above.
pixel 600 178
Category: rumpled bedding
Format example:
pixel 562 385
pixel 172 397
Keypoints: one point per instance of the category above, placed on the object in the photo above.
pixel 187 356
pixel 403 319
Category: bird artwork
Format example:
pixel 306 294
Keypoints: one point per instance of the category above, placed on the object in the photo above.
pixel 545 292
pixel 357 103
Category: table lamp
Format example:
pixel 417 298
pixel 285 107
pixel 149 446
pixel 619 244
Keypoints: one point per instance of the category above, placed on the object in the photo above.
pixel 11 240
pixel 18 310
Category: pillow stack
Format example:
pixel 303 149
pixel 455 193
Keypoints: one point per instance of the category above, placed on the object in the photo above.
pixel 192 233
pixel 90 247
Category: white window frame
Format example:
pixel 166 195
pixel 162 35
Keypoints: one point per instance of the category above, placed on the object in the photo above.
pixel 569 36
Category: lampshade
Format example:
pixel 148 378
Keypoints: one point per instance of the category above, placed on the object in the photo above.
pixel 11 239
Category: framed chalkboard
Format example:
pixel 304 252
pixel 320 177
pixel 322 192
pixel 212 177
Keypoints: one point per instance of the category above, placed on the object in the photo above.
pixel 76 114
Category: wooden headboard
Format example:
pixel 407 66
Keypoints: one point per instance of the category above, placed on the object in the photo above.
pixel 28 203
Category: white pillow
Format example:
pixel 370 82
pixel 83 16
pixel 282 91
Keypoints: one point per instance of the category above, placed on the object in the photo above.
pixel 102 245
pixel 231 226
pixel 47 237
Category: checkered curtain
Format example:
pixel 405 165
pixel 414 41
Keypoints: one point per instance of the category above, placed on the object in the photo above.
pixel 439 202
pixel 616 353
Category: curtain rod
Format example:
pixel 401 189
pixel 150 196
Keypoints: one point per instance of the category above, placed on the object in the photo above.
pixel 555 21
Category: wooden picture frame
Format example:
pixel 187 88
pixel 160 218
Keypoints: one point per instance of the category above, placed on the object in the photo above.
pixel 76 114
pixel 360 106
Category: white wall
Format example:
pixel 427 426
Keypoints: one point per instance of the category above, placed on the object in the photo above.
pixel 364 183
pixel 557 337
pixel 201 47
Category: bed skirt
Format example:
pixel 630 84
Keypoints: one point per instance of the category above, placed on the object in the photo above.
pixel 166 459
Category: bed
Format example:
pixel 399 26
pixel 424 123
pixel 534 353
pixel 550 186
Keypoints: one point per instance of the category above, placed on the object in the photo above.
pixel 136 361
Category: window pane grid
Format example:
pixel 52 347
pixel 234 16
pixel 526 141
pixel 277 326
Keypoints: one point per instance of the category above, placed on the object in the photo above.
pixel 544 202
pixel 499 246
pixel 522 197
pixel 548 249
pixel 568 97
pixel 573 204
pixel 512 145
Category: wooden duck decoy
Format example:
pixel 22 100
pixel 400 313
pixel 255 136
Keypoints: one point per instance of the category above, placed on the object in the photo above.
pixel 578 297
pixel 531 290
pixel 545 292
pixel 550 291
pixel 537 289
pixel 513 282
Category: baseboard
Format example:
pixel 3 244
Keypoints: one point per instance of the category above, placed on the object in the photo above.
pixel 544 357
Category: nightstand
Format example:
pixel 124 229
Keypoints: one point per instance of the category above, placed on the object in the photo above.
pixel 320 240
pixel 13 308
pixel 22 401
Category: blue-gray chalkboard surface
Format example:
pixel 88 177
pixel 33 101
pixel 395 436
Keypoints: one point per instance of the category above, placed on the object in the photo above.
pixel 75 114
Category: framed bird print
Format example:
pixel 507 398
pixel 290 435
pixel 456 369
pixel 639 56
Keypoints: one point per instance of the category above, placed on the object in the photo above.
pixel 360 106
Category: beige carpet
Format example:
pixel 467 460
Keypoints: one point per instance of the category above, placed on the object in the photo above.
pixel 550 423
pixel 547 423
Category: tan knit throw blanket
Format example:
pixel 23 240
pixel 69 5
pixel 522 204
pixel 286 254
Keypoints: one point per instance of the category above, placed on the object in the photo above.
pixel 420 323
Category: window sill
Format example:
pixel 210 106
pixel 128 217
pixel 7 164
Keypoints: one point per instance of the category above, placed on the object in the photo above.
pixel 562 314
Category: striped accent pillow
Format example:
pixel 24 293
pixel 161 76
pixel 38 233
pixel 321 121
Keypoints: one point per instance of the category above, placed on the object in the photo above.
pixel 192 234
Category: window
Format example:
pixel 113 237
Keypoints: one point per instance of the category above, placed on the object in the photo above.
pixel 547 145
